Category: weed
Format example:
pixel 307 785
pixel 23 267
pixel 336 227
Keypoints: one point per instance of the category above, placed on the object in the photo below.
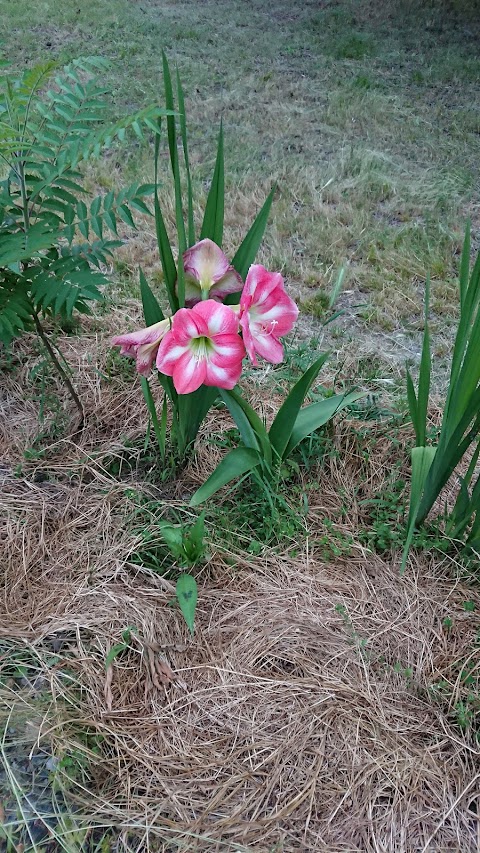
pixel 332 542
pixel 165 546
pixel 460 692
pixel 355 638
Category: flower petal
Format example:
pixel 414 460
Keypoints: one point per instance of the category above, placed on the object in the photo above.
pixel 269 347
pixel 188 373
pixel 278 311
pixel 168 354
pixel 188 323
pixel 219 319
pixel 142 336
pixel 221 376
pixel 143 344
pixel 227 349
pixel 193 293
pixel 229 283
pixel 248 339
pixel 260 283
pixel 206 263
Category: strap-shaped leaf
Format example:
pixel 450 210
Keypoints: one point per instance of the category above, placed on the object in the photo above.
pixel 158 426
pixel 282 426
pixel 250 426
pixel 183 130
pixel 163 243
pixel 187 595
pixel 212 226
pixel 317 415
pixel 237 462
pixel 172 144
pixel 192 409
pixel 422 458
pixel 151 309
pixel 247 251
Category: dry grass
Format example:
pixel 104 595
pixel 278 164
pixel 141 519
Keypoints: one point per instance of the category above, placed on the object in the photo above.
pixel 301 714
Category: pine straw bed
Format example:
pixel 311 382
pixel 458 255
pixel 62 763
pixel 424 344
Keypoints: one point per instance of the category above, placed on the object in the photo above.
pixel 285 723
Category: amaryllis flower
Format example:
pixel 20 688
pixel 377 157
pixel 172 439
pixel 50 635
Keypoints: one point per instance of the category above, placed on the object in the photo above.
pixel 202 348
pixel 143 345
pixel 266 314
pixel 208 273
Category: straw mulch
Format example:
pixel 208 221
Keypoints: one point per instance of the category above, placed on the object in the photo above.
pixel 299 717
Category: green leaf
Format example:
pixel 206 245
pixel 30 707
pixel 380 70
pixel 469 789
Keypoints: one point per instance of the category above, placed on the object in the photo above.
pixel 172 144
pixel 412 405
pixel 237 462
pixel 163 243
pixel 422 458
pixel 183 129
pixel 212 226
pixel 424 379
pixel 251 427
pixel 247 433
pixel 151 309
pixel 187 595
pixel 159 428
pixel 140 205
pixel 465 266
pixel 15 308
pixel 318 414
pixel 193 539
pixel 21 247
pixel 247 251
pixel 97 226
pixel 125 214
pixel 110 220
pixel 117 649
pixel 108 200
pixel 281 429
pixel 172 138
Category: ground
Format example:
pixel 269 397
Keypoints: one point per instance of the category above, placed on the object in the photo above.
pixel 324 703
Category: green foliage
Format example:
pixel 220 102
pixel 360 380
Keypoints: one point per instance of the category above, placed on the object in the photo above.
pixel 187 595
pixel 168 548
pixel 121 646
pixel 459 690
pixel 434 465
pixel 52 244
pixel 265 453
pixel 185 542
pixel 188 410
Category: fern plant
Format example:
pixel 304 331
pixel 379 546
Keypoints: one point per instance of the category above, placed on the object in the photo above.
pixel 54 238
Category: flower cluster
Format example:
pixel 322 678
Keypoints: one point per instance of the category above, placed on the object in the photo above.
pixel 205 343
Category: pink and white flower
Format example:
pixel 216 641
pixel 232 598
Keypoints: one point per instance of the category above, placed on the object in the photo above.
pixel 202 348
pixel 143 345
pixel 266 314
pixel 208 273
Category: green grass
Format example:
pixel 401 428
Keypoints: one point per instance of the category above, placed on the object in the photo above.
pixel 367 119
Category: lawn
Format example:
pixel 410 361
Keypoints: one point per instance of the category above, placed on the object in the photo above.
pixel 325 702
